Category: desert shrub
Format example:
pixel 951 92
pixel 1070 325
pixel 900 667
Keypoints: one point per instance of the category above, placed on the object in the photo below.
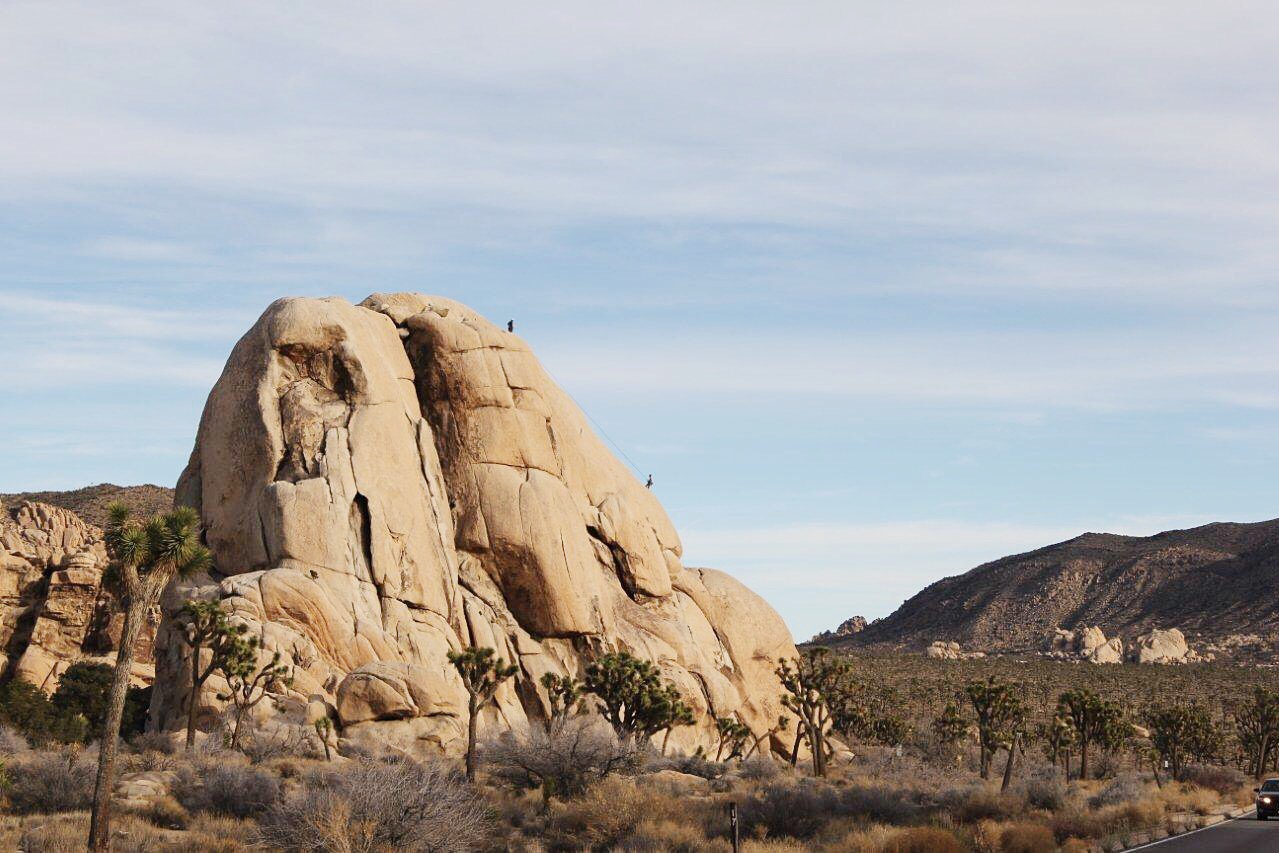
pixel 135 762
pixel 760 769
pixel 1044 789
pixel 370 805
pixel 977 802
pixel 1027 838
pixel 923 839
pixel 664 835
pixel 797 810
pixel 12 742
pixel 801 809
pixel 161 742
pixel 1223 780
pixel 226 789
pixel 694 765
pixel 63 834
pixel 83 690
pixel 26 709
pixel 165 812
pixel 561 759
pixel 612 811
pixel 262 744
pixel 51 782
pixel 1122 790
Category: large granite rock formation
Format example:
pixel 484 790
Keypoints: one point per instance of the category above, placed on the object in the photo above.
pixel 383 483
pixel 54 611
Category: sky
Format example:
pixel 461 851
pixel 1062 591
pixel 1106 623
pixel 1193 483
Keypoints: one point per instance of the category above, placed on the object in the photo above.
pixel 876 291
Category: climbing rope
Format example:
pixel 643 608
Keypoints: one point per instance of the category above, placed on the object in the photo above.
pixel 638 471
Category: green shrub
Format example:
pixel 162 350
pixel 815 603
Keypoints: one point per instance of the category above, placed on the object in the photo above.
pixel 25 708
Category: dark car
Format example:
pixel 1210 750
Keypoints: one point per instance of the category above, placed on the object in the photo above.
pixel 1267 799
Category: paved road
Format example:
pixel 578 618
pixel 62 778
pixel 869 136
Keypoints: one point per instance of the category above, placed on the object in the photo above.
pixel 1242 835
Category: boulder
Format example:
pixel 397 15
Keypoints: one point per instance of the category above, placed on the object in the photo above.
pixel 1087 643
pixel 1166 646
pixel 950 650
pixel 385 483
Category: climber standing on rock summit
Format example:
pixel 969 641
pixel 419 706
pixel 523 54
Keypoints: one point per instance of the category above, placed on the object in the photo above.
pixel 510 325
pixel 649 484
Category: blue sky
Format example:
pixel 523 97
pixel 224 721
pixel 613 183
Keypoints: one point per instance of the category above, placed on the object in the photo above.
pixel 877 292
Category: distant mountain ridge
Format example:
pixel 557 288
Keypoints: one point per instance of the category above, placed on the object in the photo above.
pixel 1212 582
pixel 90 502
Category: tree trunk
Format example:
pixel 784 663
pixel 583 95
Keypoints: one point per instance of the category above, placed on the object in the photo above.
pixel 473 716
pixel 195 694
pixel 816 744
pixel 1083 759
pixel 235 729
pixel 100 822
pixel 801 732
pixel 1008 768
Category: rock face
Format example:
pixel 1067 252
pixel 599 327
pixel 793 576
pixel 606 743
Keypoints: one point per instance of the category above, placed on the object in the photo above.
pixel 53 609
pixel 381 484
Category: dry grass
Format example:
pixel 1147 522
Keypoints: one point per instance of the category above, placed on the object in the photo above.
pixel 68 833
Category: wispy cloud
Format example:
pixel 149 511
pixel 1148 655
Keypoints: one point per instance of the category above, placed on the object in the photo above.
pixel 1048 149
pixel 1235 364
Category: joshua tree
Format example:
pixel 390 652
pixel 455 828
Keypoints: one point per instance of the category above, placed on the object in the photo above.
pixel 733 735
pixel 633 698
pixel 950 727
pixel 247 683
pixel 782 723
pixel 1058 735
pixel 1257 728
pixel 145 558
pixel 204 624
pixel 482 672
pixel 1178 730
pixel 681 715
pixel 1093 719
pixel 323 729
pixel 810 681
pixel 1000 718
pixel 565 693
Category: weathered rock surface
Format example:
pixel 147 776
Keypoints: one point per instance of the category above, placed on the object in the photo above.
pixel 847 628
pixel 381 484
pixel 950 650
pixel 1166 646
pixel 1088 643
pixel 54 611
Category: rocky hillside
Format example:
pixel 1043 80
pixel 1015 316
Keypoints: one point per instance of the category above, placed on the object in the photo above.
pixel 1214 583
pixel 90 503
pixel 385 483
pixel 54 607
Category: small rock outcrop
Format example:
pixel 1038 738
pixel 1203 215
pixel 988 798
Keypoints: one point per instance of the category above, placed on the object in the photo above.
pixel 950 650
pixel 1166 646
pixel 385 483
pixel 1088 643
pixel 54 611
pixel 847 628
